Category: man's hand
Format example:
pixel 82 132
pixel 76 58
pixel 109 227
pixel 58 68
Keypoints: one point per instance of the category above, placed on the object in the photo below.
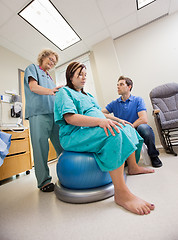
pixel 124 122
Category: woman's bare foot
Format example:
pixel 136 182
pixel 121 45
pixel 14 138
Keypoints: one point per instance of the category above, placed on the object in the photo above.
pixel 132 203
pixel 139 170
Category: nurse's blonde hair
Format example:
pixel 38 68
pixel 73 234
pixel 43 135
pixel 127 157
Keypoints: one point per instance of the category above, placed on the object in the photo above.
pixel 46 53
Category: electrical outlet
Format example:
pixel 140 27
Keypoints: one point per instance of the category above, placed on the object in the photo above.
pixel 5 98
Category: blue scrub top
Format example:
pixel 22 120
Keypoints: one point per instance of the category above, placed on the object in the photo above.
pixel 38 104
pixel 127 110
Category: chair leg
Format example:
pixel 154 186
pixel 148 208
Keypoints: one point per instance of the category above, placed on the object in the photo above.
pixel 171 151
pixel 169 146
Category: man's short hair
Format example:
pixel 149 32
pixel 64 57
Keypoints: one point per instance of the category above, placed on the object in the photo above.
pixel 128 81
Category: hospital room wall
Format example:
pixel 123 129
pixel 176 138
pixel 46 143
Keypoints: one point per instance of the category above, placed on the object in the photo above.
pixel 148 55
pixel 10 63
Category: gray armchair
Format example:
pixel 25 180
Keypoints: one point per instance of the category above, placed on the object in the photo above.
pixel 164 100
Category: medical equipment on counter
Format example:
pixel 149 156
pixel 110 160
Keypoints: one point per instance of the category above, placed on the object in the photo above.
pixel 10 111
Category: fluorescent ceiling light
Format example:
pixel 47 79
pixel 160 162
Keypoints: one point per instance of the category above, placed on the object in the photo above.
pixel 45 18
pixel 143 3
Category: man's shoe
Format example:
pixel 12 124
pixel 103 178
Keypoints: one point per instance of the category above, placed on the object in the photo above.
pixel 156 162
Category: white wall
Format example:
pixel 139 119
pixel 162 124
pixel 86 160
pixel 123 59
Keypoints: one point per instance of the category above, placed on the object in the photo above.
pixel 149 56
pixel 9 65
pixel 107 70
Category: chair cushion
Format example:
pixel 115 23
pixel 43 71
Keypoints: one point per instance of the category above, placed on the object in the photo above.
pixel 170 124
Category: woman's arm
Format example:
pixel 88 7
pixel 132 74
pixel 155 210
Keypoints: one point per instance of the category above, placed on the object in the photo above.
pixel 34 87
pixel 87 121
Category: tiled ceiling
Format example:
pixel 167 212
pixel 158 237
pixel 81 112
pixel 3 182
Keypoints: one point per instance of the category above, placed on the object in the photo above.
pixel 93 20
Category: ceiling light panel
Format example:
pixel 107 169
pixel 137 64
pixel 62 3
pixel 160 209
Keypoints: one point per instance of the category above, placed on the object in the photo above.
pixel 44 17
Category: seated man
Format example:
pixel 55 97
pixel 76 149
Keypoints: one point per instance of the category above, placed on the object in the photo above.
pixel 133 110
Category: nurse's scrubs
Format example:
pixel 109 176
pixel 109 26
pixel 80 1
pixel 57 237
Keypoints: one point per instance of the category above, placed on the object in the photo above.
pixel 39 110
pixel 110 152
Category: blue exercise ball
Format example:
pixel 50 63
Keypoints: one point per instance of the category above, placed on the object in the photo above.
pixel 80 171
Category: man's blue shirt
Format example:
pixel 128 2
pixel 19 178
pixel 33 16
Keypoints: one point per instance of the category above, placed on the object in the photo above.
pixel 127 110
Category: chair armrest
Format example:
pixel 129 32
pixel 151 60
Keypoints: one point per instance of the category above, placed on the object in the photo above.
pixel 156 112
pixel 157 117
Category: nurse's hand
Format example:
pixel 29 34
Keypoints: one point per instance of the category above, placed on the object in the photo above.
pixel 34 87
pixel 108 124
pixel 56 89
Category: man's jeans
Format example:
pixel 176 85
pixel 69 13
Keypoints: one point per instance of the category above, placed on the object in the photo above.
pixel 146 132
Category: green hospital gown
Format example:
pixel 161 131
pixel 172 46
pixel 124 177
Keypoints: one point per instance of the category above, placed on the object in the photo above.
pixel 110 152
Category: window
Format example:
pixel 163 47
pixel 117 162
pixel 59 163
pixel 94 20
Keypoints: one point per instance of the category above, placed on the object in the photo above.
pixel 89 86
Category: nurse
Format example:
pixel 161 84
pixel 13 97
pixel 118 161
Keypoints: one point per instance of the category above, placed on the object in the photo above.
pixel 84 128
pixel 40 91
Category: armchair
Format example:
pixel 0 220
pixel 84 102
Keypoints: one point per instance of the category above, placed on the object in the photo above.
pixel 164 100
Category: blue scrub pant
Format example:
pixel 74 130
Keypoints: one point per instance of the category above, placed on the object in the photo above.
pixel 146 132
pixel 42 128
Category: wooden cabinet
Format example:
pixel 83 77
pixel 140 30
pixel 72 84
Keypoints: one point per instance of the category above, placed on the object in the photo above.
pixel 52 153
pixel 19 158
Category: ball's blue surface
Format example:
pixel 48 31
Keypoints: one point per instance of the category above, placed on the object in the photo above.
pixel 80 171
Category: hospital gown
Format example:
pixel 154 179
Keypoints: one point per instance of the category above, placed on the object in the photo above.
pixel 110 151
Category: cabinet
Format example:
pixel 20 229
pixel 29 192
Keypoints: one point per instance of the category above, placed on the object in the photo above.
pixel 52 153
pixel 19 158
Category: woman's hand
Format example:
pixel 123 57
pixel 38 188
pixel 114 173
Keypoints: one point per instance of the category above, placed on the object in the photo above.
pixel 109 124
pixel 109 116
pixel 87 121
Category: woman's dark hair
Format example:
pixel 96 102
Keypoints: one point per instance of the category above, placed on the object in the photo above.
pixel 71 69
pixel 128 81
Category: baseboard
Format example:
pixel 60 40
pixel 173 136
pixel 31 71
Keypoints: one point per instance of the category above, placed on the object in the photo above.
pixel 160 148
